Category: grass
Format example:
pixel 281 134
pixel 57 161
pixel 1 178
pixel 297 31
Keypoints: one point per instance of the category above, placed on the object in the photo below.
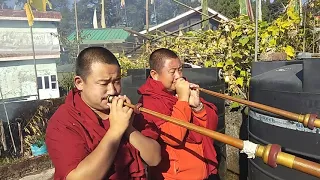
pixel 6 161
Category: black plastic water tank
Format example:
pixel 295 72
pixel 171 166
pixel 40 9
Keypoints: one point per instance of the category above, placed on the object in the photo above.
pixel 207 78
pixel 287 85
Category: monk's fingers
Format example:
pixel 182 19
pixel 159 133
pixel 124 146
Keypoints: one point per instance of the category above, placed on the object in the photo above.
pixel 127 100
pixel 181 80
pixel 120 104
pixel 121 97
pixel 129 112
pixel 126 108
pixel 193 86
pixel 114 102
pixel 195 92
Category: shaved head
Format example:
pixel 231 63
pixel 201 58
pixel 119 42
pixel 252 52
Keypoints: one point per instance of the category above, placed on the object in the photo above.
pixel 92 55
pixel 158 58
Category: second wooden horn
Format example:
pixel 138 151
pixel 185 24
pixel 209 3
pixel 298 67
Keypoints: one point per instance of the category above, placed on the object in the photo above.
pixel 309 120
pixel 271 154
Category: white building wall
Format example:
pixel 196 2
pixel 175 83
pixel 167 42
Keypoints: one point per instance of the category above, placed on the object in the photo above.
pixel 17 79
pixel 47 75
pixel 15 37
pixel 17 74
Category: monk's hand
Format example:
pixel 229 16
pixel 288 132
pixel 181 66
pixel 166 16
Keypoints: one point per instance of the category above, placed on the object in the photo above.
pixel 194 98
pixel 127 100
pixel 120 115
pixel 182 89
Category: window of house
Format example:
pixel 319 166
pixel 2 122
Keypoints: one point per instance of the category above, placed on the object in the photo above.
pixel 46 82
pixel 39 82
pixel 53 82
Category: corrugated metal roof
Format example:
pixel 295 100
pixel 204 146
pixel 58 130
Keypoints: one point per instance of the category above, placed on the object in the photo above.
pixel 101 36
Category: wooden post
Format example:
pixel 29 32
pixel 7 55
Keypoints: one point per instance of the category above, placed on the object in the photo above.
pixel 9 126
pixel 205 24
pixel 256 33
pixel 3 136
pixel 147 24
pixel 103 20
pixel 34 63
pixel 21 138
pixel 77 28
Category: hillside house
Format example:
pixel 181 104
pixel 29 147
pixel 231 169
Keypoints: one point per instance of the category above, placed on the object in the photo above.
pixel 17 73
pixel 186 19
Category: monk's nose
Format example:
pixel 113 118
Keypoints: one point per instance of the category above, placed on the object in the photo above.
pixel 111 89
pixel 177 75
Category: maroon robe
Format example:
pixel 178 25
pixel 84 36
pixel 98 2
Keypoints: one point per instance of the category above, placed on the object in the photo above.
pixel 74 131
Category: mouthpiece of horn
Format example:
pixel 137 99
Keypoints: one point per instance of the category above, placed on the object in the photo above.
pixel 109 98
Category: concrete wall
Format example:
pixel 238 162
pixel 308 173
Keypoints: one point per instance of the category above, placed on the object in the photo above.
pixel 17 73
pixel 15 37
pixel 17 79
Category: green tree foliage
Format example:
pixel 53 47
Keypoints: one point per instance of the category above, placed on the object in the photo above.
pixel 135 14
pixel 271 11
pixel 229 8
pixel 163 10
pixel 3 4
pixel 66 26
pixel 231 47
pixel 111 12
pixel 85 10
pixel 126 63
pixel 275 9
pixel 311 11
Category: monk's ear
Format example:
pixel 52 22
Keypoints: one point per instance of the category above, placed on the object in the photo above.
pixel 78 82
pixel 154 74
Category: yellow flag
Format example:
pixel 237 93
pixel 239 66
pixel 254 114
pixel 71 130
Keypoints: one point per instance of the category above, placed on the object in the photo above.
pixel 29 13
pixel 39 5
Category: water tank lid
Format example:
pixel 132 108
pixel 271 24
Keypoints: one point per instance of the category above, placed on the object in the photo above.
pixel 307 55
pixel 280 78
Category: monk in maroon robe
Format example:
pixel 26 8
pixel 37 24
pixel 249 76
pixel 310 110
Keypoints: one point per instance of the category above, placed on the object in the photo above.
pixel 185 154
pixel 90 138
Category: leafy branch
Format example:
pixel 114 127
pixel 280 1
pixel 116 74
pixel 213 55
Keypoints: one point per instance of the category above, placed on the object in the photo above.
pixel 232 46
pixel 36 127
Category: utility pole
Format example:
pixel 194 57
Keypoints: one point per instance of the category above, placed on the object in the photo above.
pixel 147 23
pixel 125 14
pixel 103 20
pixel 155 12
pixel 77 28
pixel 147 16
pixel 34 63
pixel 256 29
pixel 260 10
pixel 205 24
pixel 9 126
pixel 300 11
